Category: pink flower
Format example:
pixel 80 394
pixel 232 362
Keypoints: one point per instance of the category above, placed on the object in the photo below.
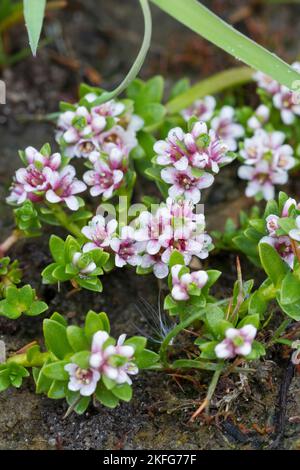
pixel 272 224
pixel 110 108
pixel 129 368
pixel 226 128
pixel 101 355
pixel 266 83
pixel 126 248
pixel 262 179
pixel 103 179
pixel 77 130
pixel 182 283
pixel 185 184
pixel 202 109
pixel 286 208
pixel 64 186
pixel 237 342
pixel 34 180
pixel 215 154
pixel 102 358
pixel 172 151
pixel 160 269
pixel 283 246
pixel 34 157
pixel 260 117
pixel 99 232
pixel 82 380
pixel 118 137
pixel 197 148
pixel 284 100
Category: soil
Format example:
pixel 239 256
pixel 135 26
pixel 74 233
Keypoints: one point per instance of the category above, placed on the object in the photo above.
pixel 96 41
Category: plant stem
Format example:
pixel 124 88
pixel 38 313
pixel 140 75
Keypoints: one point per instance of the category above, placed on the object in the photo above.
pixel 10 241
pixel 21 359
pixel 210 86
pixel 62 218
pixel 211 390
pixel 278 332
pixel 139 61
pixel 173 333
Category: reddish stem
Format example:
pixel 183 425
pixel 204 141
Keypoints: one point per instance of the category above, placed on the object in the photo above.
pixel 9 242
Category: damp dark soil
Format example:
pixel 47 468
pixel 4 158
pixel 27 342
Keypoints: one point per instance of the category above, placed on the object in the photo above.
pixel 96 41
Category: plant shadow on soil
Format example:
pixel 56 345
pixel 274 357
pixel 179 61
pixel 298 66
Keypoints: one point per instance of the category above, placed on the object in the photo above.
pixel 158 416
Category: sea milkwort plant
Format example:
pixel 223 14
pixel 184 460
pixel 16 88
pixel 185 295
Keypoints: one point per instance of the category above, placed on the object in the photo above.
pixel 84 185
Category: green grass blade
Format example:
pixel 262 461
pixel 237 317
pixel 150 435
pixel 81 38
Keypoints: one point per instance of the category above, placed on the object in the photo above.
pixel 209 86
pixel 201 20
pixel 34 11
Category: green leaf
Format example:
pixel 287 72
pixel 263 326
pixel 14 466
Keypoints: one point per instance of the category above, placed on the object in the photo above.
pixel 34 11
pixel 56 370
pixel 138 343
pixel 82 359
pixel 257 304
pixel 59 319
pixel 176 258
pixel 56 246
pixel 201 20
pixel 36 308
pixel 93 323
pixel 77 338
pixel 214 316
pixel 57 390
pixel 290 289
pixel 146 359
pixel 124 392
pixel 106 397
pixel 250 320
pixel 56 338
pixel 273 265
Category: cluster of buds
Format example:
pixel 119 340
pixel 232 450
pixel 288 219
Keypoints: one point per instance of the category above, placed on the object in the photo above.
pixel 188 158
pixel 222 122
pixel 285 100
pixel 185 283
pixel 151 238
pixel 106 359
pixel 237 342
pixel 281 243
pixel 82 131
pixel 45 179
pixel 267 161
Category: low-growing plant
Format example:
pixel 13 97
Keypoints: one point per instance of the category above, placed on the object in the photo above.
pixel 103 146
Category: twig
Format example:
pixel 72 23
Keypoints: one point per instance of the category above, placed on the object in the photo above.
pixel 282 404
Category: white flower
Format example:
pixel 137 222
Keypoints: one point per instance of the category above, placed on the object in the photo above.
pixel 226 128
pixel 237 342
pixel 82 380
pixel 99 232
pixel 203 109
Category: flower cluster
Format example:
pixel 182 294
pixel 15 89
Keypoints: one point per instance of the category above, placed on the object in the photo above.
pixel 82 131
pixel 45 178
pixel 113 361
pixel 281 243
pixel 188 158
pixel 222 122
pixel 283 99
pixel 150 240
pixel 266 163
pixel 184 282
pixel 236 342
